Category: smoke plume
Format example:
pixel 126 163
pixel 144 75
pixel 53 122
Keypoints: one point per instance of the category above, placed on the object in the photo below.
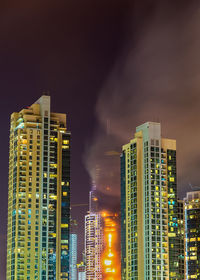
pixel 156 78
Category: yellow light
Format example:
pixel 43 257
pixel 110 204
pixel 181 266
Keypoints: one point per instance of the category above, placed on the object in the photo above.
pixel 64 225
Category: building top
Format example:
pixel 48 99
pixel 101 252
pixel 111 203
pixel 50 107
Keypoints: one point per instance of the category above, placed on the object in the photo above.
pixel 192 196
pixel 81 265
pixel 73 227
pixel 93 202
pixel 44 99
pixel 35 112
pixel 150 130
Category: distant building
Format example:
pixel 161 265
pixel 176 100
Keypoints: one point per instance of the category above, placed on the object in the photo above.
pixel 149 228
pixel 73 251
pixel 93 240
pixel 81 269
pixel 192 238
pixel 38 194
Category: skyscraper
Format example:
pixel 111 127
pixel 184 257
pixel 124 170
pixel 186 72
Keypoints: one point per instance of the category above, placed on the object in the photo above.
pixel 73 251
pixel 149 206
pixel 93 240
pixel 192 244
pixel 38 194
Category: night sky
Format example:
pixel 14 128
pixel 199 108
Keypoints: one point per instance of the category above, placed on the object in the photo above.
pixel 109 65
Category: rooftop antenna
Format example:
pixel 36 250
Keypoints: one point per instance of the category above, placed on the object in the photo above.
pixel 94 187
pixel 46 92
pixel 194 187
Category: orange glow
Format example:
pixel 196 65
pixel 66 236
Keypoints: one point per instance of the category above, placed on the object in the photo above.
pixel 111 256
pixel 108 189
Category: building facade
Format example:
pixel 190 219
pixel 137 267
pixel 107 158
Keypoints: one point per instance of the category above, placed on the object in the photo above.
pixel 81 269
pixel 192 235
pixel 73 251
pixel 149 206
pixel 93 240
pixel 111 252
pixel 38 194
pixel 181 240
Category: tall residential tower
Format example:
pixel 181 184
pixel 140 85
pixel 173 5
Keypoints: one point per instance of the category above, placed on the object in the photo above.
pixel 39 194
pixel 149 206
pixel 192 235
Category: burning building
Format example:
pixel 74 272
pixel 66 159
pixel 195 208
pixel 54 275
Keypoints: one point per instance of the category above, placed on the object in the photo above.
pixel 102 242
pixel 111 254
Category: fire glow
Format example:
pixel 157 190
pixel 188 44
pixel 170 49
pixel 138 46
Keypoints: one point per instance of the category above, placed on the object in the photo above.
pixel 111 255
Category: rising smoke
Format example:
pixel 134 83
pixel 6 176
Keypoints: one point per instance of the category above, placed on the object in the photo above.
pixel 155 78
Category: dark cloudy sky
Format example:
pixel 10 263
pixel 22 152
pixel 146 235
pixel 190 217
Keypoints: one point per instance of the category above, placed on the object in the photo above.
pixel 110 65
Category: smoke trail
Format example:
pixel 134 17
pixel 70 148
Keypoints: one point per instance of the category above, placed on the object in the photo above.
pixel 156 78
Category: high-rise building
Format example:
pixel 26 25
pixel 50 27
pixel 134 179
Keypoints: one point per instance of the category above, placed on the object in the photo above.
pixel 81 268
pixel 192 235
pixel 111 253
pixel 73 251
pixel 149 206
pixel 38 194
pixel 93 240
pixel 181 240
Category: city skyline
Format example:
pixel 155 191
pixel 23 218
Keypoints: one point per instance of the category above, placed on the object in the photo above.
pixel 159 232
pixel 110 66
